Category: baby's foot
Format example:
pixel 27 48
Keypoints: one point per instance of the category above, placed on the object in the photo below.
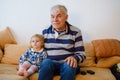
pixel 20 73
pixel 26 74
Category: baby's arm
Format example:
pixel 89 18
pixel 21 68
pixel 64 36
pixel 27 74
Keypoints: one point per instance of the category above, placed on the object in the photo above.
pixel 23 58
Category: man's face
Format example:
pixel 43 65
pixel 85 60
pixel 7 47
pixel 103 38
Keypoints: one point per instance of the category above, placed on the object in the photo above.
pixel 58 19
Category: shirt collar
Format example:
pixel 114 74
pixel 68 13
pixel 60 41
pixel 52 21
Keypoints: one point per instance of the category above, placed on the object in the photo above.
pixel 67 28
pixel 37 51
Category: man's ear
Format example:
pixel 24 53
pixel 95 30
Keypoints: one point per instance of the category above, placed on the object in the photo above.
pixel 66 17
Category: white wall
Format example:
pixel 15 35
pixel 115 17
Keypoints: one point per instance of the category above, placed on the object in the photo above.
pixel 97 19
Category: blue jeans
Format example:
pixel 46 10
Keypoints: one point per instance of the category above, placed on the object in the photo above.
pixel 49 68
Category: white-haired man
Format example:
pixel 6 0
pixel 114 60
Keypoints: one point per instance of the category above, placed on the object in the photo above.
pixel 64 45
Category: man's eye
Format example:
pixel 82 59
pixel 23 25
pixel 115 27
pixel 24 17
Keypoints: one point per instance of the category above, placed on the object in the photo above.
pixel 52 16
pixel 59 16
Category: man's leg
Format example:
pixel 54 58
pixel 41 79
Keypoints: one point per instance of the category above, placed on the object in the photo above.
pixel 46 70
pixel 67 72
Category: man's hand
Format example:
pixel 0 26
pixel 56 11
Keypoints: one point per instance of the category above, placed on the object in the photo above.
pixel 71 61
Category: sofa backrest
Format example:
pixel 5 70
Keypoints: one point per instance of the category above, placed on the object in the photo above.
pixel 90 55
pixel 102 53
pixel 107 52
pixel 12 53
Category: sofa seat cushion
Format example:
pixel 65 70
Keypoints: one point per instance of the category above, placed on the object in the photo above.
pixel 100 74
pixel 9 72
pixel 11 77
pixel 108 62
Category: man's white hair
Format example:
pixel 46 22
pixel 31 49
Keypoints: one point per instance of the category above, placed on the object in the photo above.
pixel 61 7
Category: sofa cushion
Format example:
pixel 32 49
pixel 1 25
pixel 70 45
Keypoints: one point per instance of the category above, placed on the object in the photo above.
pixel 13 53
pixel 11 77
pixel 6 37
pixel 9 72
pixel 89 49
pixel 89 61
pixel 100 74
pixel 106 47
pixel 108 62
pixel 90 55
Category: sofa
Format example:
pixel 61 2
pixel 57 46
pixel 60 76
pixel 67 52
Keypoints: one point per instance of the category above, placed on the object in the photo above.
pixel 101 54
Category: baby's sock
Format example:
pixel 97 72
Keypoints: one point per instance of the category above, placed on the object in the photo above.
pixel 21 71
pixel 30 71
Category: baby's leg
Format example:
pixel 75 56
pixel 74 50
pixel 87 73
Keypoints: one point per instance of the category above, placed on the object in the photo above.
pixel 30 71
pixel 23 67
pixel 20 71
pixel 26 65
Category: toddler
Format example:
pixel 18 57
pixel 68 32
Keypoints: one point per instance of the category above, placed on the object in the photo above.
pixel 30 61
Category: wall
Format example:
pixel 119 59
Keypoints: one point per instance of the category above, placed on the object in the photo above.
pixel 97 19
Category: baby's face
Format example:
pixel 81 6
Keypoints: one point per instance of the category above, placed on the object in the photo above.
pixel 36 43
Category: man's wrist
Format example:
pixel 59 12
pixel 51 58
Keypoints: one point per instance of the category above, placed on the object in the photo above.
pixel 76 57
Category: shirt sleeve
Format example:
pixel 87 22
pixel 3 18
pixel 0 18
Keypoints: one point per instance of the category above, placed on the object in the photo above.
pixel 79 48
pixel 23 57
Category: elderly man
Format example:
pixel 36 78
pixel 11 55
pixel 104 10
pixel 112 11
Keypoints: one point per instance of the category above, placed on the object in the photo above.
pixel 64 46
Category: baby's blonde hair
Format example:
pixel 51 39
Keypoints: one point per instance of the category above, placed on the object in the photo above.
pixel 40 37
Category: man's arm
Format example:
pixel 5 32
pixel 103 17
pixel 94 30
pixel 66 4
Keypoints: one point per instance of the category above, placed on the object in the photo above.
pixel 79 55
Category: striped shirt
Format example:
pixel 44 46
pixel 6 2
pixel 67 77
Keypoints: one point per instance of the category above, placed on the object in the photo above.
pixel 35 58
pixel 61 45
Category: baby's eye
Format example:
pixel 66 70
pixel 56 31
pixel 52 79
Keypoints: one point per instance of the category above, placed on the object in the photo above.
pixel 37 41
pixel 33 41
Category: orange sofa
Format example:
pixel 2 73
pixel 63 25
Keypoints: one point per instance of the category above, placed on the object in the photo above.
pixel 100 56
